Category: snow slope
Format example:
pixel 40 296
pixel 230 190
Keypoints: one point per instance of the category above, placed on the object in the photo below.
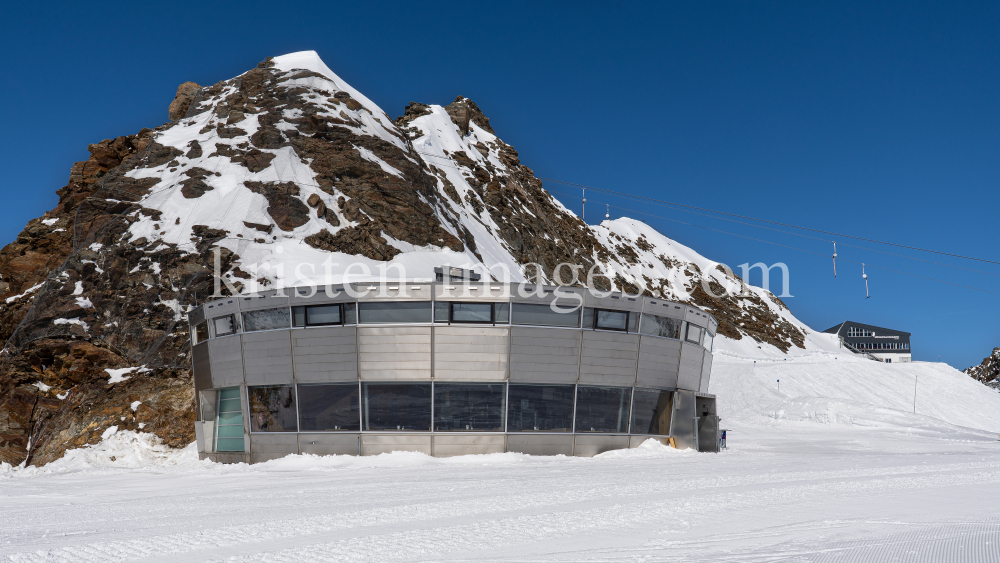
pixel 867 481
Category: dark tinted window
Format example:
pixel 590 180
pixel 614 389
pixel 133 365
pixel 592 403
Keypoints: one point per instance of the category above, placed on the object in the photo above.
pixel 611 320
pixel 324 408
pixel 397 406
pixel 461 407
pixel 651 412
pixel 660 326
pixel 462 312
pixel 602 409
pixel 540 408
pixel 266 319
pixel 350 313
pixel 395 312
pixel 272 408
pixel 538 314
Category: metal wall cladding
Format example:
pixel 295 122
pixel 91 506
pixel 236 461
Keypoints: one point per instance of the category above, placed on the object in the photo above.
pixel 272 446
pixel 226 457
pixel 471 292
pixel 325 354
pixel 299 297
pixel 589 446
pixel 706 372
pixel 470 353
pixel 682 423
pixel 689 370
pixel 694 316
pixel 658 362
pixel 447 445
pixel 394 353
pixel 330 444
pixel 664 308
pixel 609 358
pixel 221 307
pixel 544 355
pixel 540 444
pixel 267 300
pixel 618 301
pixel 267 357
pixel 226 361
pixel 374 444
pixel 201 366
pixel 393 291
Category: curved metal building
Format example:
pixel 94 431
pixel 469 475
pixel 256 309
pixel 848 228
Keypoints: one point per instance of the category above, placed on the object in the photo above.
pixel 449 369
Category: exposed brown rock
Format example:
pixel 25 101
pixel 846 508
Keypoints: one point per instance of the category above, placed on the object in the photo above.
pixel 182 100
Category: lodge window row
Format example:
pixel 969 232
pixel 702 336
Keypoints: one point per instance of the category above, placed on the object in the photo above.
pixel 453 312
pixel 883 345
pixel 442 407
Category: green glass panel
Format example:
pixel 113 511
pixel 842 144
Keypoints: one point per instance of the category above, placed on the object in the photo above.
pixel 229 405
pixel 231 393
pixel 230 445
pixel 230 431
pixel 231 418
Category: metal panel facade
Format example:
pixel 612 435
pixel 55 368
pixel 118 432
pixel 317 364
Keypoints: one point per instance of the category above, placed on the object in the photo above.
pixel 374 444
pixel 325 354
pixel 658 362
pixel 201 366
pixel 330 444
pixel 544 355
pixel 609 358
pixel 540 444
pixel 446 445
pixel 267 357
pixel 591 445
pixel 470 353
pixel 226 361
pixel 706 372
pixel 394 353
pixel 689 372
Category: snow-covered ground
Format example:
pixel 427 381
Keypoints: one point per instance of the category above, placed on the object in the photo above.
pixel 833 467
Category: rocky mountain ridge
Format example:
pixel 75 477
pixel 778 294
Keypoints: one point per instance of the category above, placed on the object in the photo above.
pixel 285 165
pixel 988 372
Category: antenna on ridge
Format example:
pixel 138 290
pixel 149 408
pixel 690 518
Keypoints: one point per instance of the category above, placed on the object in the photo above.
pixel 864 275
pixel 607 214
pixel 584 207
pixel 835 260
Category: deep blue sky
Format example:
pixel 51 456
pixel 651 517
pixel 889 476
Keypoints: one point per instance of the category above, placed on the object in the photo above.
pixel 874 120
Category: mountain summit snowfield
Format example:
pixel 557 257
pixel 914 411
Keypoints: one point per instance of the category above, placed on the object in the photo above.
pixel 845 459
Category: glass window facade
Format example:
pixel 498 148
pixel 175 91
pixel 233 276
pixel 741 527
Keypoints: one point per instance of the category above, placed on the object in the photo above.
pixel 542 315
pixel 540 408
pixel 602 409
pixel 389 312
pixel 651 411
pixel 266 319
pixel 468 407
pixel 350 313
pixel 611 320
pixel 695 333
pixel 321 315
pixel 656 325
pixel 709 339
pixel 224 326
pixel 501 313
pixel 397 406
pixel 329 408
pixel 463 312
pixel 229 422
pixel 442 311
pixel 201 332
pixel 272 408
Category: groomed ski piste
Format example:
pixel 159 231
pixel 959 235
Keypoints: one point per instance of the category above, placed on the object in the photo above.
pixel 834 466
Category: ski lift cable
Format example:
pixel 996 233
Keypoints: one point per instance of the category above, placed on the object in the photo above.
pixel 842 243
pixel 670 203
pixel 866 264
